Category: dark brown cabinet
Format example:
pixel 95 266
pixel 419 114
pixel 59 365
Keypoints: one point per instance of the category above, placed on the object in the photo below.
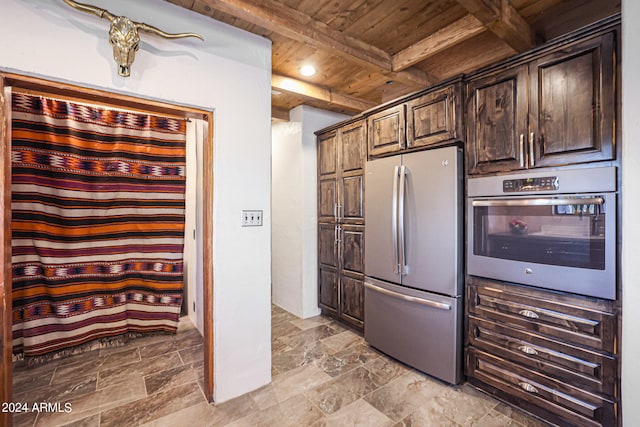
pixel 572 104
pixel 433 117
pixel 387 131
pixel 341 157
pixel 497 121
pixel 550 353
pixel 556 109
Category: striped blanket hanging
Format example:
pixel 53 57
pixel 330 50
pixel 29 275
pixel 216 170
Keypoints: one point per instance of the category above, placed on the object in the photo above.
pixel 97 223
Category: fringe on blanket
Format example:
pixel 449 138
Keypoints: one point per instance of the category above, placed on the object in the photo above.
pixel 106 342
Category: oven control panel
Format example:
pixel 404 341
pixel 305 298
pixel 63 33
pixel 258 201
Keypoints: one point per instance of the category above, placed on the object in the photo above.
pixel 545 183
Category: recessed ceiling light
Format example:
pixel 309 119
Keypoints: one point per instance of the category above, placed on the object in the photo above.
pixel 307 70
pixel 275 92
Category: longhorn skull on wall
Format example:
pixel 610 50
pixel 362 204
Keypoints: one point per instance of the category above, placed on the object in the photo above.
pixel 123 34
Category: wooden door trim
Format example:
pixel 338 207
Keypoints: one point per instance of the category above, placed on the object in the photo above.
pixel 99 97
pixel 6 371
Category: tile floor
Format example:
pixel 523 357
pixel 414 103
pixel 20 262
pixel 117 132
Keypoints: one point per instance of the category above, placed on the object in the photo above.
pixel 323 375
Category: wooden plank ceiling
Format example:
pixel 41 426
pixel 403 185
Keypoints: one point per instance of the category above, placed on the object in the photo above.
pixel 371 51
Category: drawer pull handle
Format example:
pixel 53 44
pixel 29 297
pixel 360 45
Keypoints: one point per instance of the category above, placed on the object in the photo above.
pixel 528 350
pixel 528 387
pixel 528 313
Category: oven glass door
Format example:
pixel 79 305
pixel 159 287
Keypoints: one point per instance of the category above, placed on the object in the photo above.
pixel 567 231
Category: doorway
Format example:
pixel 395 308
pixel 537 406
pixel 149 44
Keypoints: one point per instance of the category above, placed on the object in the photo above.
pixel 100 98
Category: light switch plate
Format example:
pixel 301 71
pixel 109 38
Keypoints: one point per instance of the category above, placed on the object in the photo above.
pixel 251 218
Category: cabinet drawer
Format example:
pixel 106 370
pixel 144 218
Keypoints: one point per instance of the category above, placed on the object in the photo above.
pixel 517 384
pixel 591 371
pixel 569 318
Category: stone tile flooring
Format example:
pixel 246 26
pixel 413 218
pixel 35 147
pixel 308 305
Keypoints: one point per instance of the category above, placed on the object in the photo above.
pixel 323 375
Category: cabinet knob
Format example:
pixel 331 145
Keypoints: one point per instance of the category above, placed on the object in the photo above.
pixel 528 350
pixel 528 387
pixel 528 313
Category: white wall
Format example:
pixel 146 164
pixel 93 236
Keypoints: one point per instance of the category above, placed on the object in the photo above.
pixel 294 257
pixel 229 73
pixel 630 209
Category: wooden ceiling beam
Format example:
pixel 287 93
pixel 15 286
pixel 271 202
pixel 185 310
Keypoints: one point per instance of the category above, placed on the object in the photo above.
pixel 317 93
pixel 280 114
pixel 463 29
pixel 504 21
pixel 288 22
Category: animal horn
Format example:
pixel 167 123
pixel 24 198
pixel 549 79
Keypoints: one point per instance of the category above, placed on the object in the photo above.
pixel 101 13
pixel 151 29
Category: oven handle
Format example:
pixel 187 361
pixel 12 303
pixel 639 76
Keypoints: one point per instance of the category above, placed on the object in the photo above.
pixel 540 202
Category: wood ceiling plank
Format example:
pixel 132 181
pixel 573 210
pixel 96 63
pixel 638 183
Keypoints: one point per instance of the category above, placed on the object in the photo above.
pixel 487 11
pixel 503 20
pixel 307 90
pixel 298 26
pixel 568 15
pixel 346 17
pixel 468 56
pixel 461 30
pixel 425 21
pixel 405 23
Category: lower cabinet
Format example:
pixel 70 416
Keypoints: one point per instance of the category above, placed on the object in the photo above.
pixel 341 272
pixel 549 353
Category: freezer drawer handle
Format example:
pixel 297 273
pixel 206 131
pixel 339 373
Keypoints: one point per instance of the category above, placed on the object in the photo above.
pixel 438 305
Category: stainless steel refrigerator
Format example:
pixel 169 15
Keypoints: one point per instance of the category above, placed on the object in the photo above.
pixel 413 260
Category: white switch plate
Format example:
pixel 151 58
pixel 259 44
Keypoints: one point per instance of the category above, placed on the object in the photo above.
pixel 251 218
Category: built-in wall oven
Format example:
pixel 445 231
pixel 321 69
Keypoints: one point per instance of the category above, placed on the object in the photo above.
pixel 551 229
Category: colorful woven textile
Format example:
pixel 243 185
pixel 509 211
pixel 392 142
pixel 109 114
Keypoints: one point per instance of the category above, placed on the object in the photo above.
pixel 97 222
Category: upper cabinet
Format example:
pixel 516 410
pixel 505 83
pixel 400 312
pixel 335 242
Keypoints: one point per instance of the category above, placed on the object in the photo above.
pixel 432 118
pixel 572 104
pixel 558 109
pixel 341 157
pixel 435 117
pixel 386 131
pixel 497 121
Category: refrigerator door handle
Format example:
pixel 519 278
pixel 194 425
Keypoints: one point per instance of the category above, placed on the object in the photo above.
pixel 394 219
pixel 404 269
pixel 433 304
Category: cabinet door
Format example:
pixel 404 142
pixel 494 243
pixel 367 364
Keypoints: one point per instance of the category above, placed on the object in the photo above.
pixel 386 131
pixel 352 249
pixel 572 106
pixel 329 268
pixel 352 147
pixel 352 157
pixel 352 275
pixel 434 117
pixel 352 300
pixel 328 176
pixel 497 121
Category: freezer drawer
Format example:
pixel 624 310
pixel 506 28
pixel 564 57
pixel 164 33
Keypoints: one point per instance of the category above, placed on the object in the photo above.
pixel 418 328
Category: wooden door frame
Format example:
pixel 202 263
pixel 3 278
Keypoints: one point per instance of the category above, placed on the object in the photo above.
pixel 103 98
